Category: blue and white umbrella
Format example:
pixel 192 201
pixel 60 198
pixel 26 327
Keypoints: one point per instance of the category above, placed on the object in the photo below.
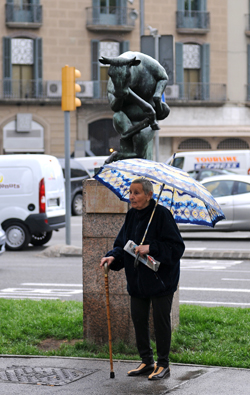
pixel 187 199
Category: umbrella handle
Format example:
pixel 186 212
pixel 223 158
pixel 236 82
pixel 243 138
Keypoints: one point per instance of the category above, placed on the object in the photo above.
pixel 136 262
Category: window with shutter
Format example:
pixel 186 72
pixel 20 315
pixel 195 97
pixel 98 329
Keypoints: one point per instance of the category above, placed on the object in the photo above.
pixel 166 52
pixel 192 65
pixel 100 72
pixel 22 67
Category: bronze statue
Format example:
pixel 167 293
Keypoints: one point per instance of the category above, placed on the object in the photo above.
pixel 135 87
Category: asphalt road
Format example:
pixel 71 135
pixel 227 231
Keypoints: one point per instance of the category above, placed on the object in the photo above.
pixel 215 282
pixel 25 274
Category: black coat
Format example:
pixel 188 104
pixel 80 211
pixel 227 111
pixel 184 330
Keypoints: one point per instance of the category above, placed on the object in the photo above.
pixel 166 246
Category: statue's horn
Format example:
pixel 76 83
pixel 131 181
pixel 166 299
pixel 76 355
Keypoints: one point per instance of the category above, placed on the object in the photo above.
pixel 134 62
pixel 104 60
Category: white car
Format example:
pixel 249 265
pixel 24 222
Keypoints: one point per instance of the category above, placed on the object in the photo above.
pixel 2 240
pixel 232 192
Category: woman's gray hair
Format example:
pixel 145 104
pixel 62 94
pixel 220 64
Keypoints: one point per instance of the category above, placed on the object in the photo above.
pixel 147 185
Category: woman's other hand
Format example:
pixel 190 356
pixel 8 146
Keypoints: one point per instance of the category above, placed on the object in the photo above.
pixel 108 259
pixel 142 250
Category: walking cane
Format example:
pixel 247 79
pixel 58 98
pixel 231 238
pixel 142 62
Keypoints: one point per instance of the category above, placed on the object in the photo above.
pixel 106 269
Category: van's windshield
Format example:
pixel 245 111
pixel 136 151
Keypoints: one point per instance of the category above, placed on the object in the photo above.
pixel 178 162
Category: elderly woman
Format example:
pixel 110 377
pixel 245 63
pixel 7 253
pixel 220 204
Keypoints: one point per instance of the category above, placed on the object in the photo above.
pixel 145 286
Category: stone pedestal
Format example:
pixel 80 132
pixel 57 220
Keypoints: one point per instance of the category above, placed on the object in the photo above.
pixel 103 216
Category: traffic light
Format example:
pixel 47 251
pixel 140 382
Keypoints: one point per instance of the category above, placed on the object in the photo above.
pixel 70 88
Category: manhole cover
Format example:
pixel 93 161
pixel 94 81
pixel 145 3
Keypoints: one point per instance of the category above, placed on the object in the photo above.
pixel 42 376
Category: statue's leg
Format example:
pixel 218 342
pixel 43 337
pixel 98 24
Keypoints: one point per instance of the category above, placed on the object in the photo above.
pixel 141 143
pixel 121 122
pixel 162 110
pixel 132 147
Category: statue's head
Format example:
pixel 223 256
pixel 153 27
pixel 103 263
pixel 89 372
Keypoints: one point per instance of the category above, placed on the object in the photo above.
pixel 120 73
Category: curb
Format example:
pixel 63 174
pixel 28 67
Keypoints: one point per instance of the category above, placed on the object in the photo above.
pixel 216 255
pixel 59 250
pixel 116 361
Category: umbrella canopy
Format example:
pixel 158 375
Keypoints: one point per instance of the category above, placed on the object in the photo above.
pixel 187 199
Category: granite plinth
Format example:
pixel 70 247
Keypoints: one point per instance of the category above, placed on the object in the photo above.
pixel 100 229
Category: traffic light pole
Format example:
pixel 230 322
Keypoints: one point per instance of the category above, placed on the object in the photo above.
pixel 69 103
pixel 67 174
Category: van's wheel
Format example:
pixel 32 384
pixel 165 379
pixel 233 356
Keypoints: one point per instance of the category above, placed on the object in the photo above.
pixel 77 205
pixel 39 239
pixel 17 235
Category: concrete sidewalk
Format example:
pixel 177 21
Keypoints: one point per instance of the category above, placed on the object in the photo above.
pixel 67 376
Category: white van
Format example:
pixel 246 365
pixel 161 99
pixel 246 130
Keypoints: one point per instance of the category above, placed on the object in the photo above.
pixel 237 161
pixel 91 162
pixel 32 199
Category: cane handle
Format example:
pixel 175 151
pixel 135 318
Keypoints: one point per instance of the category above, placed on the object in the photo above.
pixel 106 269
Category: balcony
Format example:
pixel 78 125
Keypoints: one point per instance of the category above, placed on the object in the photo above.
pixel 196 93
pixel 18 91
pixel 192 22
pixel 117 19
pixel 23 16
pixel 96 91
pixel 187 93
pixel 22 89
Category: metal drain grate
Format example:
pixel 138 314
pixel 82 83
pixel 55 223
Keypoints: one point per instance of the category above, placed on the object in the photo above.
pixel 42 376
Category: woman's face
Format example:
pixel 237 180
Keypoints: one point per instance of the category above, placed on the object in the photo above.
pixel 138 198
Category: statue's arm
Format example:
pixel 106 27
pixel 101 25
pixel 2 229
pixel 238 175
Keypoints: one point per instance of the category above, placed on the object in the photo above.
pixel 160 87
pixel 161 108
pixel 116 104
pixel 143 104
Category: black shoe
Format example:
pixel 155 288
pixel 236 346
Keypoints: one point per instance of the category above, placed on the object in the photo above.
pixel 142 369
pixel 160 373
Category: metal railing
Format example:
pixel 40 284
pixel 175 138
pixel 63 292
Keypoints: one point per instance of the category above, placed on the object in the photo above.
pixel 112 16
pixel 36 89
pixel 197 92
pixel 184 92
pixel 192 20
pixel 23 89
pixel 23 13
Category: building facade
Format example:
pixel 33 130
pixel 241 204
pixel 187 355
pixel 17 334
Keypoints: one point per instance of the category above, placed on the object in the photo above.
pixel 203 44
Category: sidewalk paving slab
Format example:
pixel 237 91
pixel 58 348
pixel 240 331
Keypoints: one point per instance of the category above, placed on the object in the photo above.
pixel 95 379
